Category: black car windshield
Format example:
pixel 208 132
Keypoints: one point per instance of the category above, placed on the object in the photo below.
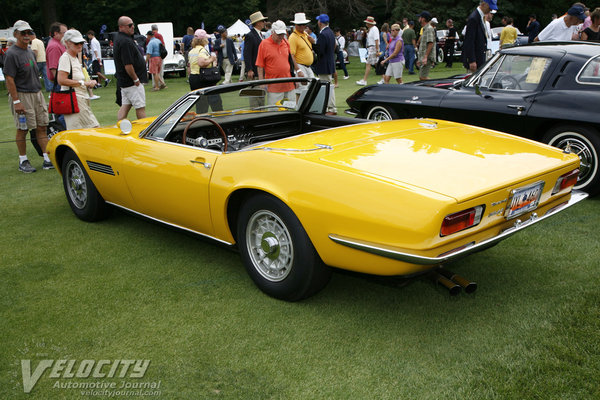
pixel 512 72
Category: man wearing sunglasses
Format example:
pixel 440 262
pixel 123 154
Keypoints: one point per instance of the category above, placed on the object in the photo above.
pixel 25 96
pixel 131 70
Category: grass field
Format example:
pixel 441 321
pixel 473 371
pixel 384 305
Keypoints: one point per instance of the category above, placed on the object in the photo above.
pixel 128 289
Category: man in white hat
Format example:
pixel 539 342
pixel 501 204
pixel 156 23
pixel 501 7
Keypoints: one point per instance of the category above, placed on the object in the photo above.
pixel 26 100
pixel 301 48
pixel 273 61
pixel 372 48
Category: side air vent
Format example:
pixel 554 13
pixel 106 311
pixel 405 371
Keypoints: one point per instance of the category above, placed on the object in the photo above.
pixel 105 169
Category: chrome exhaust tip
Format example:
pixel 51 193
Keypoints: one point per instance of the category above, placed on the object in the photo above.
pixel 467 285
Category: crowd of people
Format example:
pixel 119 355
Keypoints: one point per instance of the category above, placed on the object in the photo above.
pixel 268 50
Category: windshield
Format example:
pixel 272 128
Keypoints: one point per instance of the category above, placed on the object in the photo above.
pixel 511 72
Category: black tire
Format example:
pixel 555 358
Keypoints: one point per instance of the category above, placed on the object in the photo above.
pixel 585 142
pixel 381 113
pixel 83 197
pixel 269 234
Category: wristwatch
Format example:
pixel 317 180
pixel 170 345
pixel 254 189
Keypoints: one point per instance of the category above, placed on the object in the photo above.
pixel 81 83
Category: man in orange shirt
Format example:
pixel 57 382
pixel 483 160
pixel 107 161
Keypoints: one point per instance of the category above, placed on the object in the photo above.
pixel 273 61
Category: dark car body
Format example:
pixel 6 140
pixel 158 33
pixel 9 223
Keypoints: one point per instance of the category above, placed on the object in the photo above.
pixel 547 92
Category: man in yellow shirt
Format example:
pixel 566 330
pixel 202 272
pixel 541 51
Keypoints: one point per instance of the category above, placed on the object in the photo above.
pixel 301 48
pixel 508 37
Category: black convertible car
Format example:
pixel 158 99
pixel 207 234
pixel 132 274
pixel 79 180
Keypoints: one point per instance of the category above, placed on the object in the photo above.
pixel 549 92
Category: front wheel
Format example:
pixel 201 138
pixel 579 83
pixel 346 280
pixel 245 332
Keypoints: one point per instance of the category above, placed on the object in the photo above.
pixel 585 142
pixel 83 197
pixel 277 252
pixel 381 113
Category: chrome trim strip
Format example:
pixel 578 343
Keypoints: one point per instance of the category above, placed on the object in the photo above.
pixel 98 167
pixel 170 224
pixel 394 253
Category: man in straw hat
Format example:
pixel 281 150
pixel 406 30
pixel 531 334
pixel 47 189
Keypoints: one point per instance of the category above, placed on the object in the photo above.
pixel 301 48
pixel 372 48
pixel 251 43
pixel 25 95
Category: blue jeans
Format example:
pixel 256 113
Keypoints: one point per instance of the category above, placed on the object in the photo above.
pixel 409 56
pixel 47 83
pixel 340 56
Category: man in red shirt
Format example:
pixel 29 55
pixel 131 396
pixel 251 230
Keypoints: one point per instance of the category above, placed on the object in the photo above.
pixel 55 49
pixel 272 61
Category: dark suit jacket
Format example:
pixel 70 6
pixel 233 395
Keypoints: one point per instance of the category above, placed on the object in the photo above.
pixel 251 44
pixel 475 43
pixel 231 53
pixel 325 52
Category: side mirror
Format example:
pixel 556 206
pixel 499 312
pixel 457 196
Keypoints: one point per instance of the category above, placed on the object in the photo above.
pixel 125 126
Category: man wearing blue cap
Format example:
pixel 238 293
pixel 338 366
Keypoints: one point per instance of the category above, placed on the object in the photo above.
pixel 325 67
pixel 475 43
pixel 563 28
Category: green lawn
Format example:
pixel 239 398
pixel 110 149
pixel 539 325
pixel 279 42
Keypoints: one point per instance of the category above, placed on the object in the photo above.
pixel 126 288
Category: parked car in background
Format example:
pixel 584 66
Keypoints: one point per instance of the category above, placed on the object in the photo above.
pixel 298 191
pixel 441 38
pixel 548 92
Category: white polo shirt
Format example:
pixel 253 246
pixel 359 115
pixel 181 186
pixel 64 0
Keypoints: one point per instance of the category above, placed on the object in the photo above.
pixel 557 30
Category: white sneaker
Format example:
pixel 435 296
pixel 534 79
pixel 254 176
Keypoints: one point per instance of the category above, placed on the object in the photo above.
pixel 381 82
pixel 94 97
pixel 346 77
pixel 362 82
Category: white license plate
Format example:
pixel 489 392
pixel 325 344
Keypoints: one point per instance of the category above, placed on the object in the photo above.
pixel 524 199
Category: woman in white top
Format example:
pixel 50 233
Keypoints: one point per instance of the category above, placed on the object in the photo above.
pixel 70 64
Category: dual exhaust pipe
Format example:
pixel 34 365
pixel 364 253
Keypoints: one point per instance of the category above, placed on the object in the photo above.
pixel 454 283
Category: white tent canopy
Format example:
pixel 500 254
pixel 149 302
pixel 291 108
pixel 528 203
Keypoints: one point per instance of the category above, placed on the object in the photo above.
pixel 238 28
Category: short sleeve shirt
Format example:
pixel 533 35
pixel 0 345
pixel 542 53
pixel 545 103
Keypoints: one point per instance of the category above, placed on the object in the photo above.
pixel 71 65
pixel 274 58
pixel 427 37
pixel 126 53
pixel 153 47
pixel 408 36
pixel 301 48
pixel 20 64
pixel 372 36
pixel 95 47
pixel 53 53
pixel 38 46
pixel 557 30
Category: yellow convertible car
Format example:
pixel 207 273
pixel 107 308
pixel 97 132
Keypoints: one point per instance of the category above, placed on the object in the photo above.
pixel 299 192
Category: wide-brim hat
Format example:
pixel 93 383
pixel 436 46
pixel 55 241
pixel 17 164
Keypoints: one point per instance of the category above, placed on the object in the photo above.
pixel 73 35
pixel 300 19
pixel 257 17
pixel 370 20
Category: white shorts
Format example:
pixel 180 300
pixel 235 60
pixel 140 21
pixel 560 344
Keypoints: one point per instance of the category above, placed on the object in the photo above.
pixel 394 69
pixel 134 95
pixel 274 97
pixel 308 73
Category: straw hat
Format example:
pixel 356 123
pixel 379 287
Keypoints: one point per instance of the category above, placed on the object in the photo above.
pixel 370 20
pixel 257 17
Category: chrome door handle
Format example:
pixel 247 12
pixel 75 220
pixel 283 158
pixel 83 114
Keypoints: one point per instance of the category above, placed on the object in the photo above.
pixel 516 107
pixel 205 164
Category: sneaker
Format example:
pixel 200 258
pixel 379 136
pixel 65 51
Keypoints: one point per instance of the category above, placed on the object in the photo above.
pixel 94 97
pixel 26 167
pixel 47 165
pixel 346 77
pixel 381 82
pixel 106 82
pixel 362 82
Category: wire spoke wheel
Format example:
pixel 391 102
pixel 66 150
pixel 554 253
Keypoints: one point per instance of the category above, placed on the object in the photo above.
pixel 76 184
pixel 269 245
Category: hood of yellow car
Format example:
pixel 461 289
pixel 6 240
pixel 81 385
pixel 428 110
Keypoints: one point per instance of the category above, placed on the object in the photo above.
pixel 455 160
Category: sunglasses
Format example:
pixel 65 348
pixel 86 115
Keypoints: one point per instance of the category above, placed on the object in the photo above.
pixel 26 32
pixel 129 25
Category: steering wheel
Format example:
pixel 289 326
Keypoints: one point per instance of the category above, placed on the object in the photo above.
pixel 215 123
pixel 511 79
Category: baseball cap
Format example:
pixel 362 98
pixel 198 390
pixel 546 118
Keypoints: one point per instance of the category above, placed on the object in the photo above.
pixel 278 27
pixel 493 4
pixel 577 11
pixel 21 25
pixel 200 34
pixel 73 35
pixel 434 20
pixel 426 15
pixel 323 18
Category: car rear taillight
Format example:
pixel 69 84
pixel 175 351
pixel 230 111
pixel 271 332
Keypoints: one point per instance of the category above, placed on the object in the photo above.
pixel 461 220
pixel 565 181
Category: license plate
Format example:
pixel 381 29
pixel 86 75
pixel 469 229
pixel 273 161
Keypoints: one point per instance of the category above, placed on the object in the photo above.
pixel 524 199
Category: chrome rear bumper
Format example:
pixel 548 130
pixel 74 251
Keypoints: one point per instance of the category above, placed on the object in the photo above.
pixel 395 253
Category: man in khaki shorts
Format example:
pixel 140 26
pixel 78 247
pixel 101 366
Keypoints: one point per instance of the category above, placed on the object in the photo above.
pixel 25 95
